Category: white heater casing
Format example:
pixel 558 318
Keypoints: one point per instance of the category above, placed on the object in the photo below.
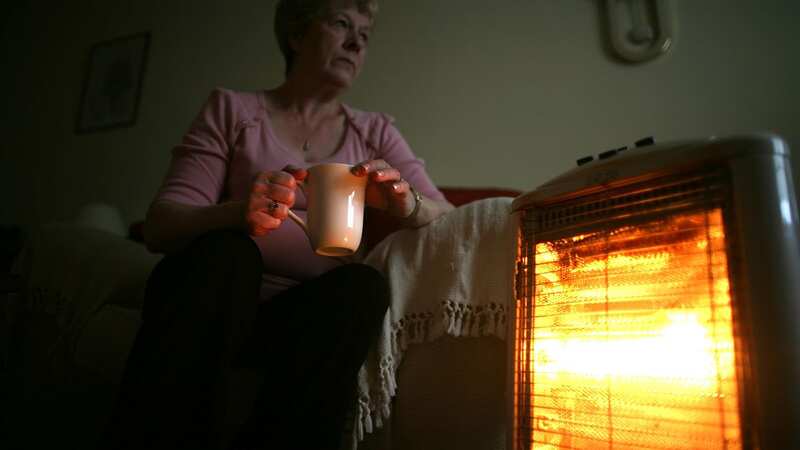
pixel 765 273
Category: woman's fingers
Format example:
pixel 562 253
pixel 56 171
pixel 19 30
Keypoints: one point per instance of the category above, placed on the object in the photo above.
pixel 367 167
pixel 287 177
pixel 403 201
pixel 378 170
pixel 386 188
pixel 274 208
pixel 389 174
pixel 271 196
pixel 281 194
pixel 279 186
pixel 400 187
pixel 260 222
pixel 296 172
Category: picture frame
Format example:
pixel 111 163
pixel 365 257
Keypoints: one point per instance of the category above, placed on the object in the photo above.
pixel 113 83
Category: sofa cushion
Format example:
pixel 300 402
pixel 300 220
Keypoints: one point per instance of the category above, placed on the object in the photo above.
pixel 71 271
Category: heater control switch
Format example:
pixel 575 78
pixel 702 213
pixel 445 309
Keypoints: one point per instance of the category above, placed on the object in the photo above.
pixel 645 141
pixel 607 154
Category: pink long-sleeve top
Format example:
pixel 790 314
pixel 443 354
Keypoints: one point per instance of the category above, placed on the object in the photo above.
pixel 232 140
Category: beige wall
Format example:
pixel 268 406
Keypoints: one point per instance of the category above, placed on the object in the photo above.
pixel 489 93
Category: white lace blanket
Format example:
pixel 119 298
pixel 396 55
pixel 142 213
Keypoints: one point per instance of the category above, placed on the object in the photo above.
pixel 453 277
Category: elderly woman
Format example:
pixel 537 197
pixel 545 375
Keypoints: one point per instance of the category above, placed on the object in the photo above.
pixel 240 285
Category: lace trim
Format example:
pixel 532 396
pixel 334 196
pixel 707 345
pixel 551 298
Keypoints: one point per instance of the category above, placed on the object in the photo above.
pixel 457 319
pixel 68 321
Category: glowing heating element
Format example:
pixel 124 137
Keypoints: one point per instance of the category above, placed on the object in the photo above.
pixel 629 343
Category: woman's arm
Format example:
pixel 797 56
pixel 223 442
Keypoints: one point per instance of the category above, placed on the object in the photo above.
pixel 186 205
pixel 429 209
pixel 169 225
pixel 392 174
pixel 387 190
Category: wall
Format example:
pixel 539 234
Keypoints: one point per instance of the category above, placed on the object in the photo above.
pixel 490 93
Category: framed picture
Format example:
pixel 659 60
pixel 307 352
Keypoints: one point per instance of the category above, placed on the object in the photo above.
pixel 113 83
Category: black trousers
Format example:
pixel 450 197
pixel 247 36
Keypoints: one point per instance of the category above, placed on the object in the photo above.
pixel 202 316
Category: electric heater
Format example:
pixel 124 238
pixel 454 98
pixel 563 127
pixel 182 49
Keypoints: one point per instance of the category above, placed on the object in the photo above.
pixel 658 301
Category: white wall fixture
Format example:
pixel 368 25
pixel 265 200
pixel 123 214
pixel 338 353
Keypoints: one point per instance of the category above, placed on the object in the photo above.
pixel 640 30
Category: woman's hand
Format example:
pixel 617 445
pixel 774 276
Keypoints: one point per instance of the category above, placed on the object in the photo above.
pixel 386 189
pixel 271 196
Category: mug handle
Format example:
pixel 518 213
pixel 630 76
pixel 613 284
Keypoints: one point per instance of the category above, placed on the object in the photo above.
pixel 294 216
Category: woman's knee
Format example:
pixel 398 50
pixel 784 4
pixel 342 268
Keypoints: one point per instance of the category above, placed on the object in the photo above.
pixel 212 254
pixel 223 247
pixel 367 288
pixel 214 260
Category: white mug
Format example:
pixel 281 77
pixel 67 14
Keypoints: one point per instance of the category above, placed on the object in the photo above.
pixel 335 209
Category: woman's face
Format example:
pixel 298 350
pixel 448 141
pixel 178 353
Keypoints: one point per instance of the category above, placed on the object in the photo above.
pixel 335 46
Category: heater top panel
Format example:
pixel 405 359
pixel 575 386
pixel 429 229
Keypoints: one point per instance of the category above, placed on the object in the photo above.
pixel 649 162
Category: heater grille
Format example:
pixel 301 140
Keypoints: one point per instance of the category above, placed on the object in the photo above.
pixel 647 200
pixel 624 324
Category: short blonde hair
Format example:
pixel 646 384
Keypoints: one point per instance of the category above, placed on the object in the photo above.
pixel 293 17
